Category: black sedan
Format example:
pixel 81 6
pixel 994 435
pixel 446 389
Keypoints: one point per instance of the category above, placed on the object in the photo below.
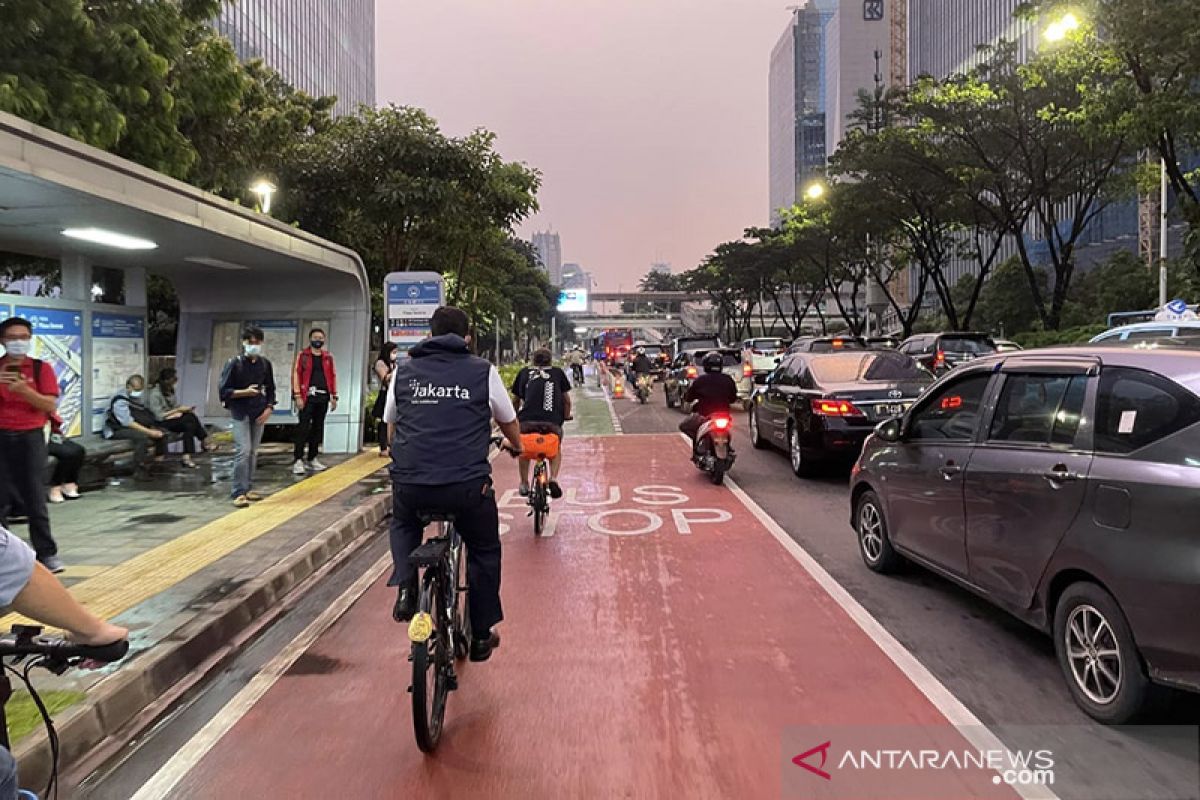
pixel 820 408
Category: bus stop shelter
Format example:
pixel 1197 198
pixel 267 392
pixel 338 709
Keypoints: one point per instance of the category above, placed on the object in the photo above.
pixel 111 223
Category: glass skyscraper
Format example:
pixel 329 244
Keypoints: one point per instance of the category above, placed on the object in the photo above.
pixel 324 47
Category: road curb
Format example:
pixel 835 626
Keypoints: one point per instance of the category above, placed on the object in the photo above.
pixel 115 703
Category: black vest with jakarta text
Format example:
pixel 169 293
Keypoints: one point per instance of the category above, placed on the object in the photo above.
pixel 443 415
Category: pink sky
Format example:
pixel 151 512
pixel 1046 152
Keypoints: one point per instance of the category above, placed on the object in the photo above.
pixel 647 118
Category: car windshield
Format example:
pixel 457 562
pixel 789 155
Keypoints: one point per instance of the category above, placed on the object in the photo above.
pixel 652 349
pixel 730 358
pixel 696 344
pixel 766 344
pixel 974 345
pixel 881 366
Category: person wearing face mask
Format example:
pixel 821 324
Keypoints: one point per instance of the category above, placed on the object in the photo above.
pixel 385 366
pixel 314 382
pixel 247 389
pixel 128 418
pixel 171 416
pixel 28 396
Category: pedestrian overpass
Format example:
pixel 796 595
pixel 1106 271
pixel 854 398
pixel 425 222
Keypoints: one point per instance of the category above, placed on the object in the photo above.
pixel 657 313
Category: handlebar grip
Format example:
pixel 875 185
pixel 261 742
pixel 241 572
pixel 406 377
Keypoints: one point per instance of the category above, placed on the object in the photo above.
pixel 105 654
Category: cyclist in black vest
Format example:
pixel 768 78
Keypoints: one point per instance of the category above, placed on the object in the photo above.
pixel 543 405
pixel 439 412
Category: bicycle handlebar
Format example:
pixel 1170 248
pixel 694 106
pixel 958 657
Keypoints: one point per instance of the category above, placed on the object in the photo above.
pixel 26 640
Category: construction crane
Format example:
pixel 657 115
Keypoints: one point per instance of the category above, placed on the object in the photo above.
pixel 899 71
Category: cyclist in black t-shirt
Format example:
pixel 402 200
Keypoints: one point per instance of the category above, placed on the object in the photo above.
pixel 543 402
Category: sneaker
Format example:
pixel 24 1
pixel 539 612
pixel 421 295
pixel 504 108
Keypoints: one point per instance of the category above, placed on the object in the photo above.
pixel 481 649
pixel 56 495
pixel 298 468
pixel 406 603
pixel 555 490
pixel 254 497
pixel 317 466
pixel 187 462
pixel 241 501
pixel 53 563
pixel 71 491
pixel 523 490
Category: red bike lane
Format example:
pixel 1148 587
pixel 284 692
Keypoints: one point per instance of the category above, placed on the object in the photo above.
pixel 661 642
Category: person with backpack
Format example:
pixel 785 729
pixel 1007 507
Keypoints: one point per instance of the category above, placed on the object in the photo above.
pixel 543 403
pixel 128 418
pixel 247 389
pixel 28 396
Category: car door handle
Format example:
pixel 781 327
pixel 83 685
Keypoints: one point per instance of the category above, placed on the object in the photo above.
pixel 1060 474
pixel 949 470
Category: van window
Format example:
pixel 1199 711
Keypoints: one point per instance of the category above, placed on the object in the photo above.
pixel 1136 408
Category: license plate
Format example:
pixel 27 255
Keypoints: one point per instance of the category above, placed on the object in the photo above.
pixel 891 409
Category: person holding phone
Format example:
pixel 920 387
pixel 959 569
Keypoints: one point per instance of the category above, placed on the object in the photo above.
pixel 247 389
pixel 28 396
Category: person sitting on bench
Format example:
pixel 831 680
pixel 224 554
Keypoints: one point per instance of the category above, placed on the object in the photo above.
pixel 128 418
pixel 173 417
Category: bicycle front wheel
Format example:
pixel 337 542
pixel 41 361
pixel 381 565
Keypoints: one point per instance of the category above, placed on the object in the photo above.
pixel 429 680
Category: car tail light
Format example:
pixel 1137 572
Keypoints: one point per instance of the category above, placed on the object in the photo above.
pixel 940 359
pixel 837 343
pixel 691 373
pixel 747 371
pixel 722 423
pixel 835 408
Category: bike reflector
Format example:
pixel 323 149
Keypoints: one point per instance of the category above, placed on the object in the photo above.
pixel 420 628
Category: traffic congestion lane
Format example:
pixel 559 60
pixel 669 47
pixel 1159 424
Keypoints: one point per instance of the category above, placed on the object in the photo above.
pixel 1003 670
pixel 660 642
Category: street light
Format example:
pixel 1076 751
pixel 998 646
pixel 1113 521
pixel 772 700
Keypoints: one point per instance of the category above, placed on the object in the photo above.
pixel 264 189
pixel 1061 28
pixel 815 191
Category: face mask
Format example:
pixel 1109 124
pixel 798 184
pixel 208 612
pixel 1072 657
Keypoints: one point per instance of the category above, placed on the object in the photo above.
pixel 317 344
pixel 17 348
pixel 136 394
pixel 253 349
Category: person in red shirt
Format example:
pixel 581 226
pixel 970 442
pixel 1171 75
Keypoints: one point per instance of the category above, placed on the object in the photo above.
pixel 28 396
pixel 314 388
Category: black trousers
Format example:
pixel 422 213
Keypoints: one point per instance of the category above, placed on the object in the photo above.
pixel 69 457
pixel 22 467
pixel 473 505
pixel 142 445
pixel 311 429
pixel 190 426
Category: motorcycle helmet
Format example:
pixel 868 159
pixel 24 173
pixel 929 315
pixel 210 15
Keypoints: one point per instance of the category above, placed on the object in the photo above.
pixel 713 362
pixel 641 351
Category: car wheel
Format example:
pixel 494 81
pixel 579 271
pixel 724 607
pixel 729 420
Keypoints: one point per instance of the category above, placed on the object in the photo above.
pixel 1098 655
pixel 874 541
pixel 756 438
pixel 747 405
pixel 801 466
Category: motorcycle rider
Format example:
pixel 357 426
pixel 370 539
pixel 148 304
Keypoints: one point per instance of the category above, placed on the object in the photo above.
pixel 641 367
pixel 714 392
pixel 575 360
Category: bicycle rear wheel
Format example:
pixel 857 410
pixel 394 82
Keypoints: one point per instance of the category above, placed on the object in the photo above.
pixel 429 682
pixel 540 502
pixel 462 608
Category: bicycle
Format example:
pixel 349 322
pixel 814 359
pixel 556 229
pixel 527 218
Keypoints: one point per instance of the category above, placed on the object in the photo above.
pixel 577 373
pixel 27 644
pixel 440 631
pixel 541 449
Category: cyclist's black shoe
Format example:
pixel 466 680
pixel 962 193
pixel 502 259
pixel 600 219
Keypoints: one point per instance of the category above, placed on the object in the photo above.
pixel 481 649
pixel 406 603
pixel 555 490
pixel 523 490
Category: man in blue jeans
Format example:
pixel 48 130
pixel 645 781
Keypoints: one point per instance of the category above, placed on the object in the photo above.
pixel 248 391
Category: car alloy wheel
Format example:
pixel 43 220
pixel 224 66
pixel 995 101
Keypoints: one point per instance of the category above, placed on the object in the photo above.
pixel 755 435
pixel 796 451
pixel 870 532
pixel 1093 654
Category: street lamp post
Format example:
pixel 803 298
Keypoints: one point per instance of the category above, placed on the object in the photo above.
pixel 264 189
pixel 815 191
pixel 1162 236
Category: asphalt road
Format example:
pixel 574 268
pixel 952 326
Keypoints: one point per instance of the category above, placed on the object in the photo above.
pixel 1002 670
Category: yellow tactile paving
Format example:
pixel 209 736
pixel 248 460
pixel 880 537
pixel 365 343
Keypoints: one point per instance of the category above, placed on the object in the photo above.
pixel 124 586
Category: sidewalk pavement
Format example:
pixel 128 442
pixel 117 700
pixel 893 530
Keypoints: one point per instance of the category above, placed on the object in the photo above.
pixel 187 573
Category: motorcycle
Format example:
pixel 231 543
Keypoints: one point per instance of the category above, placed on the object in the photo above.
pixel 643 387
pixel 713 450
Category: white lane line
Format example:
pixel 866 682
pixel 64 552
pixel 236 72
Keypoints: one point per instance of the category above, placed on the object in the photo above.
pixel 612 412
pixel 968 725
pixel 163 782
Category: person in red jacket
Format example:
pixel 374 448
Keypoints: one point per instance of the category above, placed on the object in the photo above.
pixel 314 388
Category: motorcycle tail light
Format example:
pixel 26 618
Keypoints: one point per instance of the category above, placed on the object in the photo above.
pixel 691 372
pixel 722 423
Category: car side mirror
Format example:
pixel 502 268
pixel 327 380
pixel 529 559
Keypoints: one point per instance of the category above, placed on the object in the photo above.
pixel 891 430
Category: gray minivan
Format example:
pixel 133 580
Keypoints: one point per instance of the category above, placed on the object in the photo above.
pixel 1064 486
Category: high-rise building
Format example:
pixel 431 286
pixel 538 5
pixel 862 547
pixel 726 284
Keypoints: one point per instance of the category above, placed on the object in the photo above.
pixel 858 47
pixel 576 277
pixel 660 267
pixel 797 104
pixel 322 47
pixel 549 249
pixel 946 36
